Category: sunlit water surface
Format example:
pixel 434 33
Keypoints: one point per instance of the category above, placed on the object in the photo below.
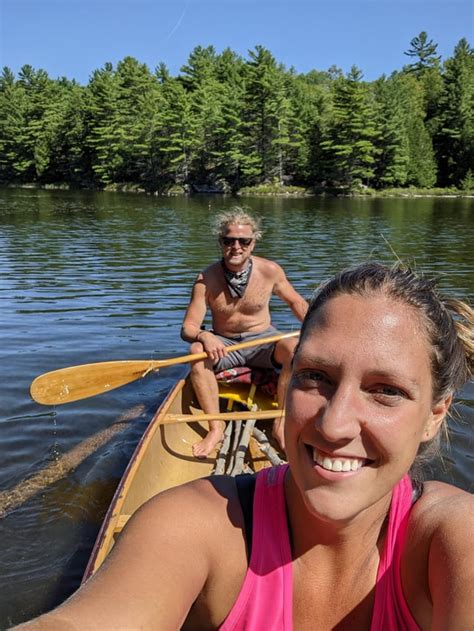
pixel 88 277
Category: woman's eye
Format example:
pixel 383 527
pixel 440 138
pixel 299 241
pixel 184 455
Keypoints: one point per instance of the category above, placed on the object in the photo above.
pixel 311 377
pixel 389 394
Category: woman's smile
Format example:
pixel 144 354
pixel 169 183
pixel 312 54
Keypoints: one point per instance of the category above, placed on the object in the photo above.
pixel 344 464
pixel 358 401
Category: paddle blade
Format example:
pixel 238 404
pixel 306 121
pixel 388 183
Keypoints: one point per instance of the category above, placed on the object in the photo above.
pixel 79 382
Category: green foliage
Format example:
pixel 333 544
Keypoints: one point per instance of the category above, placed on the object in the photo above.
pixel 349 144
pixel 273 189
pixel 425 51
pixel 421 168
pixel 243 124
pixel 454 140
pixel 392 144
pixel 467 183
pixel 174 138
pixel 30 114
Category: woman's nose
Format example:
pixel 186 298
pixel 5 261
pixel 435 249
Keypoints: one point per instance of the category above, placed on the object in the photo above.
pixel 338 421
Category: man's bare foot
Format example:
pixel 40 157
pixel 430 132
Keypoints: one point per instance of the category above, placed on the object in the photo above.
pixel 208 444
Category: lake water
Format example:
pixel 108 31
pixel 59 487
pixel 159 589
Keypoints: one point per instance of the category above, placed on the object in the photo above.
pixel 89 277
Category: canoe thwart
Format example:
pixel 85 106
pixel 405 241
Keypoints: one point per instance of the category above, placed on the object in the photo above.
pixel 259 415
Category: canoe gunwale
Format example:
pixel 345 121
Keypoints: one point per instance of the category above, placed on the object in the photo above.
pixel 114 510
pixel 248 395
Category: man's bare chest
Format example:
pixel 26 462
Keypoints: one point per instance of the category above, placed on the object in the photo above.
pixel 256 297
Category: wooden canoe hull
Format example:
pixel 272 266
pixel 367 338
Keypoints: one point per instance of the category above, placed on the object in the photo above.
pixel 163 458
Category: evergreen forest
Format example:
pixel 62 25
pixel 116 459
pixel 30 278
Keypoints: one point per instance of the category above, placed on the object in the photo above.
pixel 226 123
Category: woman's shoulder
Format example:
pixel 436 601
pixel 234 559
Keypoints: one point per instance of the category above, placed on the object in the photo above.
pixel 440 502
pixel 441 508
pixel 206 503
pixel 437 562
pixel 204 521
pixel 214 494
pixel 202 518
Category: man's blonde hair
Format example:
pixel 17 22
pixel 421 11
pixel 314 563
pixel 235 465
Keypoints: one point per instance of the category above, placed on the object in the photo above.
pixel 237 215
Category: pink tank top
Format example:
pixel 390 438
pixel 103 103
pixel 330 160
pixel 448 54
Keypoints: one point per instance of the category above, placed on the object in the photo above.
pixel 266 598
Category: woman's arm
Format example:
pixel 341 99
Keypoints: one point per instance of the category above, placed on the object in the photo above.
pixel 451 564
pixel 153 575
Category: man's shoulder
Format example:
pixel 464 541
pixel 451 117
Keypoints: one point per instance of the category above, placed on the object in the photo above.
pixel 266 266
pixel 210 273
pixel 212 269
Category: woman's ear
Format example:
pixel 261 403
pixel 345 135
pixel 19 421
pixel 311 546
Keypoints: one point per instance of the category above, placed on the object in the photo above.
pixel 436 418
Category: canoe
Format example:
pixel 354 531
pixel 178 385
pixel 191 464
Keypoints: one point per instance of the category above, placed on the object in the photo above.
pixel 163 458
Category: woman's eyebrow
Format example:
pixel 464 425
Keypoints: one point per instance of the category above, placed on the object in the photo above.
pixel 329 363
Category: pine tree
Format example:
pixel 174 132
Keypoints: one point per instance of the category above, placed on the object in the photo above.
pixel 427 69
pixel 267 117
pixel 162 73
pixel 29 127
pixel 103 121
pixel 455 138
pixel 200 66
pixel 421 168
pixel 174 138
pixel 422 165
pixel 309 100
pixel 12 124
pixel 425 51
pixel 393 146
pixel 72 160
pixel 136 100
pixel 205 95
pixel 349 144
pixel 229 148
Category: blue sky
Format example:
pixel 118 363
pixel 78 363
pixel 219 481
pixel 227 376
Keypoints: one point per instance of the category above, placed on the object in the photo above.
pixel 74 37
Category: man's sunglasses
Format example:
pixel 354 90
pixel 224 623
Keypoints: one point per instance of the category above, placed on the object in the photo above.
pixel 243 241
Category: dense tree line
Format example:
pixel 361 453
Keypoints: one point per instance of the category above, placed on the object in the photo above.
pixel 238 122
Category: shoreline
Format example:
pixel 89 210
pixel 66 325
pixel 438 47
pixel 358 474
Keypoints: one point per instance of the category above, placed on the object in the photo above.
pixel 135 189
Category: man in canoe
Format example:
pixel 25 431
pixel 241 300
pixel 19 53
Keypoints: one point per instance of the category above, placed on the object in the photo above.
pixel 237 290
pixel 346 536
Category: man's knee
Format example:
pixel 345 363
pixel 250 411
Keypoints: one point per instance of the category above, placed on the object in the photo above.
pixel 285 350
pixel 196 347
pixel 198 367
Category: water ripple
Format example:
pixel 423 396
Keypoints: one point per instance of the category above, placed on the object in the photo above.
pixel 92 277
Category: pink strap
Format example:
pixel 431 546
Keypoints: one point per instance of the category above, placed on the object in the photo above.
pixel 266 598
pixel 391 611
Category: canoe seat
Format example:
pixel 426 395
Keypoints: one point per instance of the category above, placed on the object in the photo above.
pixel 266 379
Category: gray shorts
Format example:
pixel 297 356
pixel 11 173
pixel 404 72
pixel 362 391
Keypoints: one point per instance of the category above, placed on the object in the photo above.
pixel 255 356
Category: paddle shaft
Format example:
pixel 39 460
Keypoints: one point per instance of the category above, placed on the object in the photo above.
pixel 259 415
pixel 87 380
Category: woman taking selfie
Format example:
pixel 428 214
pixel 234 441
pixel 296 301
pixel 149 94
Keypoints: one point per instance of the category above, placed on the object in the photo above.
pixel 345 536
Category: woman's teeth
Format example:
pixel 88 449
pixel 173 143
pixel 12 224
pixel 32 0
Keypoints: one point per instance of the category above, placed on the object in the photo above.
pixel 338 464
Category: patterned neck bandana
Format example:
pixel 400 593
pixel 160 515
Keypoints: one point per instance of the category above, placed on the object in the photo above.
pixel 237 281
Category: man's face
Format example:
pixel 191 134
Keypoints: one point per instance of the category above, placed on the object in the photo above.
pixel 237 246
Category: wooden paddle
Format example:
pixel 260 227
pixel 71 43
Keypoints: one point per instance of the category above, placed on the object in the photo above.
pixel 259 415
pixel 87 380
